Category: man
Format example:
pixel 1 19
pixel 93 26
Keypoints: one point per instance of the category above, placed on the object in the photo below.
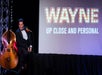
pixel 24 43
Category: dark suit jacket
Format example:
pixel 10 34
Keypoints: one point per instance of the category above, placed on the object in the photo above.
pixel 23 44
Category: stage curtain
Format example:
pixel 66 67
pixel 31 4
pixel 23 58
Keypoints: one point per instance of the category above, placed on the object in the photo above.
pixel 57 64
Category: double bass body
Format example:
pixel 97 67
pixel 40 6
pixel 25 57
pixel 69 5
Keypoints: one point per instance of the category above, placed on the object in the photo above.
pixel 8 56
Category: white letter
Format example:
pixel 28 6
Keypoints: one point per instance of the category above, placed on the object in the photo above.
pixel 73 14
pixel 52 15
pixel 94 15
pixel 84 16
pixel 64 16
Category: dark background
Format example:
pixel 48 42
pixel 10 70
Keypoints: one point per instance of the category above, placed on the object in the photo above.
pixel 29 11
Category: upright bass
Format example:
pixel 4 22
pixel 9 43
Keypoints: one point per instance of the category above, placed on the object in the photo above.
pixel 8 56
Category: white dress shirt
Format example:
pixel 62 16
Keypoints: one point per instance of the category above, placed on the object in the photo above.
pixel 24 34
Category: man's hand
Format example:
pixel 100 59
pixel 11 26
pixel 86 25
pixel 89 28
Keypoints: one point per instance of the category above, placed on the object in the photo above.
pixel 29 49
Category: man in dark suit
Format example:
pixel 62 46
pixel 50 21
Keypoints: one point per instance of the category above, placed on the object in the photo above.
pixel 24 43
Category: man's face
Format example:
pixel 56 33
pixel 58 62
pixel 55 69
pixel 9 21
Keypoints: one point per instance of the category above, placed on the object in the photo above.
pixel 21 25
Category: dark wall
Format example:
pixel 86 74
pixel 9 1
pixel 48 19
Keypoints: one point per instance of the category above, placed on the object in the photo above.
pixel 29 11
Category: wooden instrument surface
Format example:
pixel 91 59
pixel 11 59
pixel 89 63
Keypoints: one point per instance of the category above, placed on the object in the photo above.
pixel 8 56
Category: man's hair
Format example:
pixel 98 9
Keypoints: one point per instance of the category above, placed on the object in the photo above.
pixel 20 20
